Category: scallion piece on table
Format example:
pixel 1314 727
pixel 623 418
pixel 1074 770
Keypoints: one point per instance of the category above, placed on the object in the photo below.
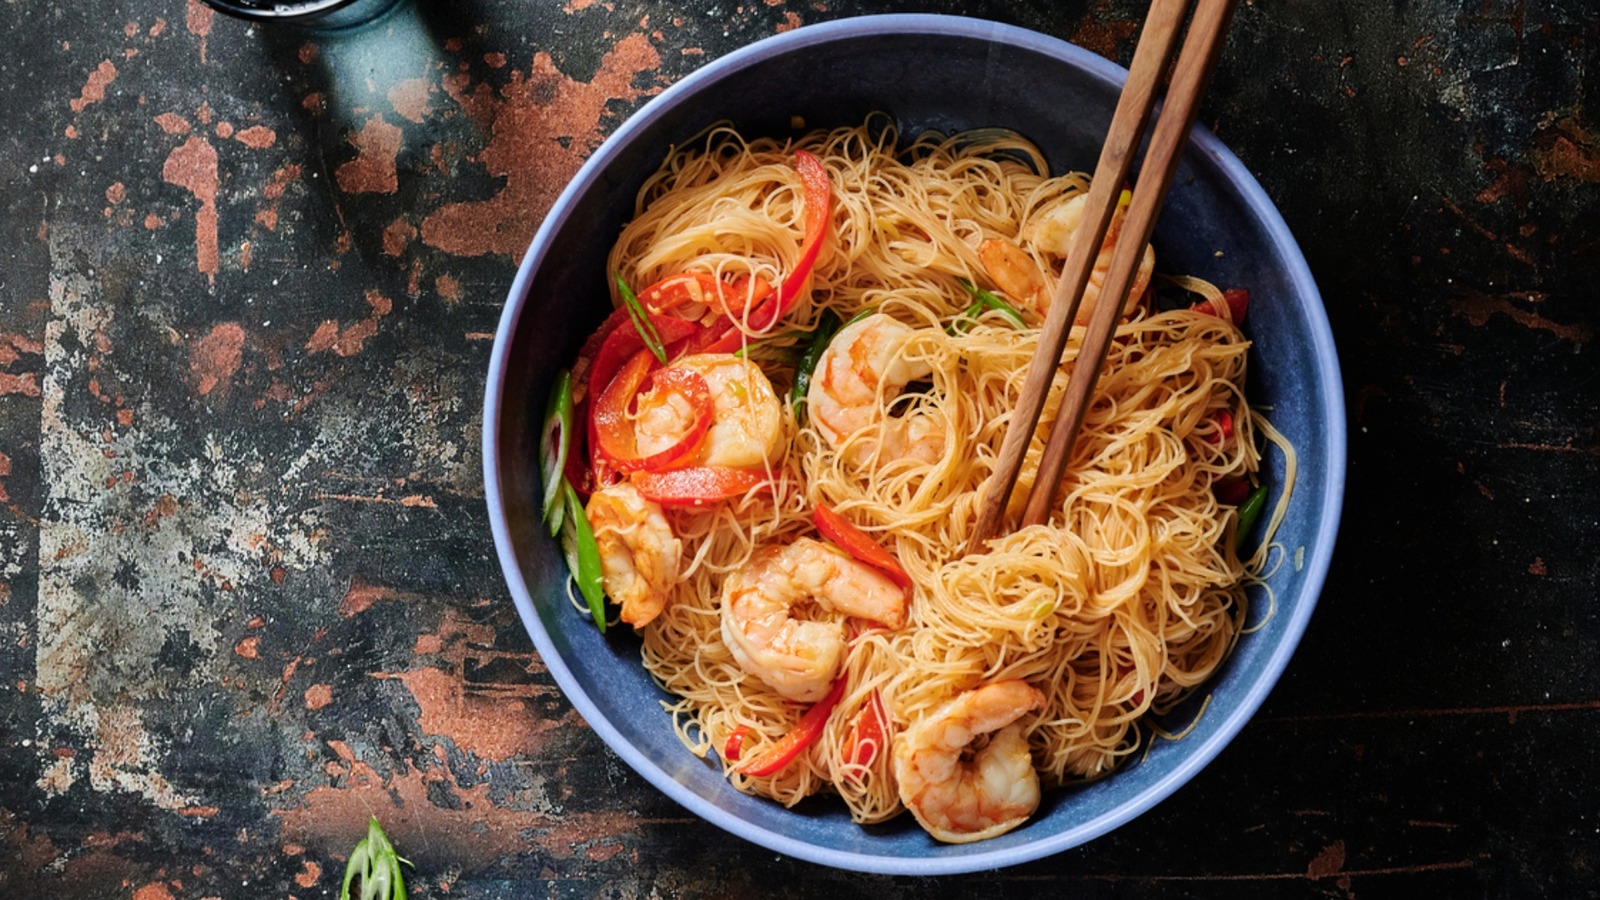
pixel 584 556
pixel 554 442
pixel 375 862
pixel 641 321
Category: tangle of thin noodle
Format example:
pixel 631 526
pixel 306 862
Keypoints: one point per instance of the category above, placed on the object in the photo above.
pixel 1122 604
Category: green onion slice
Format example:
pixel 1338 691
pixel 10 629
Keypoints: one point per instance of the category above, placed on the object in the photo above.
pixel 375 862
pixel 584 557
pixel 554 442
pixel 641 321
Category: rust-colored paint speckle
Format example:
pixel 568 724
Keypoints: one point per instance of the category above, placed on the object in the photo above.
pixel 360 597
pixel 449 287
pixel 272 192
pixel 94 90
pixel 155 890
pixel 164 507
pixel 214 358
pixel 1103 31
pixel 1328 863
pixel 192 165
pixel 543 125
pixel 309 874
pixel 495 728
pixel 1568 150
pixel 26 384
pixel 172 123
pixel 397 235
pixel 248 647
pixel 410 99
pixel 350 341
pixel 197 18
pixel 318 695
pixel 373 170
pixel 475 831
pixel 1478 307
pixel 259 137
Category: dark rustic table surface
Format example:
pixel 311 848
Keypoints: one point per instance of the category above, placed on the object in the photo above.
pixel 247 590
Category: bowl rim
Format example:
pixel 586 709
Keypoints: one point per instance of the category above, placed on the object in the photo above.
pixel 1315 569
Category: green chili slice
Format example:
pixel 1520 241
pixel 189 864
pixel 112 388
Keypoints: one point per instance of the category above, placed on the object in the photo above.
pixel 554 442
pixel 1250 509
pixel 587 556
pixel 827 327
pixel 988 300
pixel 641 321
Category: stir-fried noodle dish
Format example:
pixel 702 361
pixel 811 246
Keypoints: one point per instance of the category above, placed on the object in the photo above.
pixel 769 460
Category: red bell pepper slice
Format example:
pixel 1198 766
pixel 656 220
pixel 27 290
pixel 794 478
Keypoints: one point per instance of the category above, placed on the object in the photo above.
pixel 1224 428
pixel 1232 490
pixel 731 300
pixel 858 544
pixel 735 743
pixel 868 734
pixel 698 485
pixel 591 344
pixel 801 736
pixel 622 343
pixel 675 290
pixel 1238 300
pixel 818 199
pixel 615 432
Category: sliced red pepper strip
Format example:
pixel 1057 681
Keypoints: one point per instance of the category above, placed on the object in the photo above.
pixel 591 345
pixel 1238 300
pixel 801 736
pixel 729 299
pixel 818 199
pixel 1224 428
pixel 615 432
pixel 735 743
pixel 698 485
pixel 625 341
pixel 868 734
pixel 858 544
pixel 608 418
pixel 1232 490
pixel 675 290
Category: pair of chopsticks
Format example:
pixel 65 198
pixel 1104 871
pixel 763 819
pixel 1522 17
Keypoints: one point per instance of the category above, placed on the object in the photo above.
pixel 1190 72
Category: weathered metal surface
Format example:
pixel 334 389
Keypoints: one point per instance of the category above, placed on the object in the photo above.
pixel 247 591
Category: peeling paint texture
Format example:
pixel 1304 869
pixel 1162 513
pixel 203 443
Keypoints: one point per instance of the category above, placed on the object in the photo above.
pixel 248 595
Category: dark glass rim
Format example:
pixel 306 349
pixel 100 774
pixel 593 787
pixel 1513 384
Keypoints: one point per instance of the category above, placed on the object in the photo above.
pixel 281 10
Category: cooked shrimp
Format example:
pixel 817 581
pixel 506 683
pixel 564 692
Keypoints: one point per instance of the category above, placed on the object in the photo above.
pixel 746 420
pixel 1015 272
pixel 639 554
pixel 960 799
pixel 799 658
pixel 864 358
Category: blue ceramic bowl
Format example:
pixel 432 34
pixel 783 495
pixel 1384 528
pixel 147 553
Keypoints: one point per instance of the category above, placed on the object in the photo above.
pixel 947 73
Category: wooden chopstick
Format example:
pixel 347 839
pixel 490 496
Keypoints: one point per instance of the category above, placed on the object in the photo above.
pixel 1193 68
pixel 1150 59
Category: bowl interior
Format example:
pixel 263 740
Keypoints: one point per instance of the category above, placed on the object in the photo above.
pixel 944 73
